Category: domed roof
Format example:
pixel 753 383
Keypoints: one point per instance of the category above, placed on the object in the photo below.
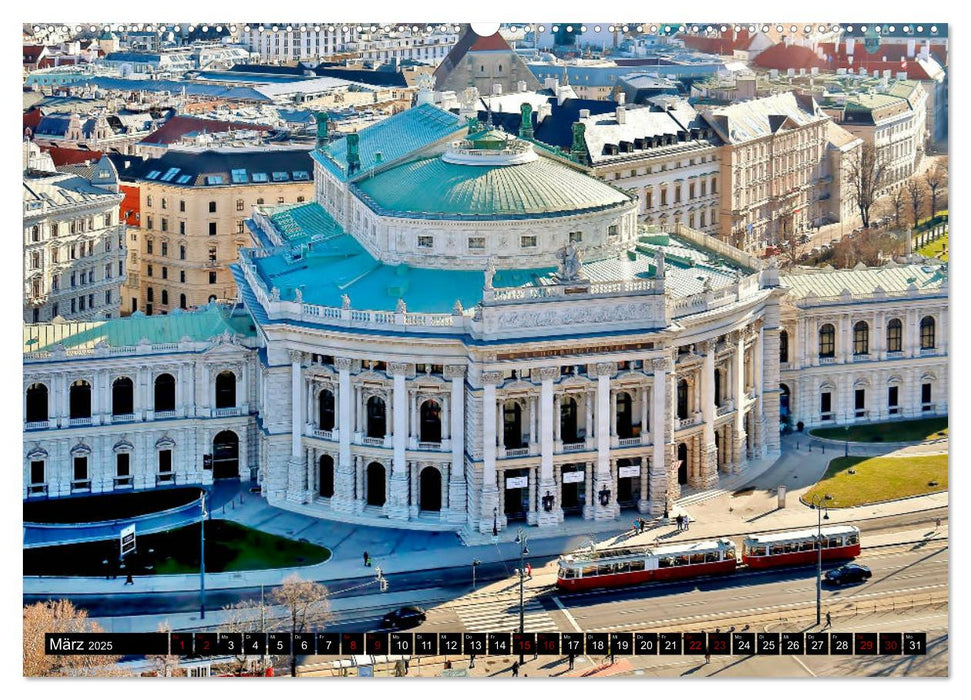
pixel 538 188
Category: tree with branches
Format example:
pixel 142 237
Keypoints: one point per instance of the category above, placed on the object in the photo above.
pixel 915 193
pixel 897 202
pixel 61 616
pixel 936 178
pixel 245 616
pixel 307 608
pixel 866 173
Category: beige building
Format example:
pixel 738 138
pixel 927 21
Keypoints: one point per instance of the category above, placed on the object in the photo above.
pixel 193 205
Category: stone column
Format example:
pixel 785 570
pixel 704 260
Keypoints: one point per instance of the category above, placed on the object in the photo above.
pixel 845 350
pixel 311 462
pixel 489 505
pixel 457 512
pixel 708 464
pixel 613 413
pixel 295 468
pixel 605 370
pixel 344 478
pixel 659 417
pixel 532 515
pixel 547 481
pixel 396 506
pixel 758 363
pixel 770 380
pixel 556 414
pixel 413 434
pixel 588 409
pixel 643 502
pixel 359 488
pixel 533 424
pixel 739 439
pixel 591 498
pixel 644 415
pixel 414 469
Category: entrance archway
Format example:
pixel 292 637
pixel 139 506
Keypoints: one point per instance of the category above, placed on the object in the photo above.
pixel 326 476
pixel 682 463
pixel 375 484
pixel 573 492
pixel 430 489
pixel 628 487
pixel 784 396
pixel 225 455
pixel 516 498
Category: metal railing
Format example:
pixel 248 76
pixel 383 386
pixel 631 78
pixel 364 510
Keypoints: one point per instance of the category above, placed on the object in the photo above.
pixel 574 446
pixel 323 434
pixel 373 441
pixel 628 442
pixel 228 411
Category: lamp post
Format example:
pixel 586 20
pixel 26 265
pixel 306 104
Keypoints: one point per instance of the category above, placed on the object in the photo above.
pixel 495 525
pixel 817 505
pixel 846 440
pixel 475 563
pixel 521 538
pixel 202 558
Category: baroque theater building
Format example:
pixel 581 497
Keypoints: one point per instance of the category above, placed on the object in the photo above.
pixel 463 331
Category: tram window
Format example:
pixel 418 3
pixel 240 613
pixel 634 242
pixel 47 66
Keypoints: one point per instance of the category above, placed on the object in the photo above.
pixel 605 570
pixel 623 567
pixel 852 539
pixel 567 573
pixel 806 546
pixel 697 558
pixel 835 541
pixel 758 551
pixel 711 556
pixel 589 571
pixel 681 560
pixel 637 565
pixel 665 562
pixel 730 553
pixel 777 549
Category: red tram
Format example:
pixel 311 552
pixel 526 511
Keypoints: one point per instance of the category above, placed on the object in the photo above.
pixel 628 566
pixel 632 565
pixel 796 548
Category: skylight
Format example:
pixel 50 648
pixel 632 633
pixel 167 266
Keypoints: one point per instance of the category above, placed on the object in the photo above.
pixel 153 175
pixel 169 174
pixel 183 179
pixel 281 176
pixel 214 179
pixel 239 175
pixel 260 177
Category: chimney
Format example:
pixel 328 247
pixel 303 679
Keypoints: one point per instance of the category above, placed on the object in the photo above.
pixel 902 75
pixel 521 86
pixel 911 47
pixel 561 94
pixel 578 150
pixel 526 120
pixel 773 73
pixel 925 50
pixel 850 43
pixel 791 72
pixel 552 83
pixel 887 74
pixel 584 114
pixel 322 136
pixel 621 114
pixel 543 112
pixel 802 72
pixel 621 98
pixel 814 71
pixel 353 156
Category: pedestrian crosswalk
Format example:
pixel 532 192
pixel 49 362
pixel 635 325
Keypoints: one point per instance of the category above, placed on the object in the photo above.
pixel 489 614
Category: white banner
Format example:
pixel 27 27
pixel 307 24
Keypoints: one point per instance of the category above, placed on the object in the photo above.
pixel 572 477
pixel 127 540
pixel 517 482
pixel 624 472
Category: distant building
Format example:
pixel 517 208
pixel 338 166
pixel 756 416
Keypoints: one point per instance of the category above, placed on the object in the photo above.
pixel 483 63
pixel 277 44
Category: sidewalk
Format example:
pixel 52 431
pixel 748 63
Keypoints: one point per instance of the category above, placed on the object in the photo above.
pixel 728 512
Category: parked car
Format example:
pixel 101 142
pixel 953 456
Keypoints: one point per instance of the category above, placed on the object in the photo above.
pixel 848 573
pixel 404 617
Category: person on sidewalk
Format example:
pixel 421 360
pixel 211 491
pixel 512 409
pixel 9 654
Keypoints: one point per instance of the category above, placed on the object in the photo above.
pixel 680 520
pixel 529 571
pixel 572 658
pixel 129 581
pixel 472 661
pixel 643 524
pixel 367 558
pixel 687 522
pixel 515 669
pixel 829 620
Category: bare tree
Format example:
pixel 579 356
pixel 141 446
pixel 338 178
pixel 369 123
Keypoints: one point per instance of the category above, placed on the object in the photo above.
pixel 245 616
pixel 61 616
pixel 936 178
pixel 916 192
pixel 897 201
pixel 866 173
pixel 307 605
pixel 165 665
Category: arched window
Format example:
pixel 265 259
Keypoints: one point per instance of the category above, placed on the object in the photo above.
pixel 682 399
pixel 783 346
pixel 36 403
pixel 430 422
pixel 895 335
pixel 182 304
pixel 80 399
pixel 927 333
pixel 165 392
pixel 376 417
pixel 861 338
pixel 827 340
pixel 122 397
pixel 226 390
pixel 165 297
pixel 512 423
pixel 325 410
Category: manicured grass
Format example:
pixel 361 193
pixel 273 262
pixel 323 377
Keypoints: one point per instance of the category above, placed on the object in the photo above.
pixel 229 547
pixel 894 431
pixel 114 506
pixel 879 479
pixel 935 249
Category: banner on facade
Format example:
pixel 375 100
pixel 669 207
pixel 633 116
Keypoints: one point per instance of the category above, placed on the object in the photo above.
pixel 573 477
pixel 127 539
pixel 517 482
pixel 625 472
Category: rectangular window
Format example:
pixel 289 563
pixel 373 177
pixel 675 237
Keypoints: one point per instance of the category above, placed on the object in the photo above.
pixel 81 302
pixel 691 189
pixel 664 196
pixel 613 230
pixel 74 305
pixel 893 401
pixel 860 402
pixel 677 194
pixel 148 222
pixel 165 249
pixel 108 297
pixel 80 468
pixel 426 241
pixel 165 203
pixel 648 199
pixel 212 228
pixel 826 405
pixel 212 206
pixel 165 461
pixel 704 188
pixel 576 236
pixel 148 270
pixel 182 227
pixel 122 464
pixel 239 227
pixel 182 276
pixel 37 472
pixel 181 205
pixel 925 396
pixel 165 224
pixel 527 242
pixel 165 273
pixel 212 278
pixel 476 243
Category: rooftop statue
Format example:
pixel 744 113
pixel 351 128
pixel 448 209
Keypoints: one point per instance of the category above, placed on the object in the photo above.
pixel 570 263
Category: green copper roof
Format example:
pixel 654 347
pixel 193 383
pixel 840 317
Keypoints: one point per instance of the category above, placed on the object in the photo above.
pixel 394 137
pixel 890 278
pixel 431 186
pixel 203 324
pixel 298 223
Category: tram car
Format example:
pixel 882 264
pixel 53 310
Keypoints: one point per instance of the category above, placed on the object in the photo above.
pixel 628 566
pixel 796 548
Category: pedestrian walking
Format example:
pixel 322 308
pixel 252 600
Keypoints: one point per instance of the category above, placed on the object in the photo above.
pixel 572 659
pixel 529 571
pixel 472 661
pixel 687 522
pixel 515 669
pixel 367 558
pixel 829 619
pixel 129 581
pixel 680 520
pixel 707 650
pixel 643 525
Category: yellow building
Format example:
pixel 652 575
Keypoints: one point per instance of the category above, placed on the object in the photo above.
pixel 192 208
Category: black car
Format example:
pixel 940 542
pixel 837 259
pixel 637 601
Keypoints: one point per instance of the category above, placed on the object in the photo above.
pixel 848 573
pixel 408 616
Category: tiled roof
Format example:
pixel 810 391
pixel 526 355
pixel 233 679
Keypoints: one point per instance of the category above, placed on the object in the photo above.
pixel 431 186
pixel 782 57
pixel 890 278
pixel 641 123
pixel 177 127
pixel 752 119
pixel 394 137
pixel 65 190
pixel 838 136
pixel 196 168
pixel 72 156
pixel 206 323
pixel 173 87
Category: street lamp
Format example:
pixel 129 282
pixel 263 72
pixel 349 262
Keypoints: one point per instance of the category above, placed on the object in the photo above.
pixel 548 501
pixel 521 538
pixel 202 558
pixel 604 496
pixel 475 563
pixel 817 505
pixel 495 524
pixel 846 440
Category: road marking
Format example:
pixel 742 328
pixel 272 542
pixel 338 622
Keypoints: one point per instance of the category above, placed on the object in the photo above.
pixel 805 667
pixel 566 612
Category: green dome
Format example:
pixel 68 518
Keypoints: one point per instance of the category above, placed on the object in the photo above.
pixel 539 188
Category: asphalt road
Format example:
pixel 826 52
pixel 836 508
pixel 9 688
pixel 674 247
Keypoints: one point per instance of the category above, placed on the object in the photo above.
pixel 455 582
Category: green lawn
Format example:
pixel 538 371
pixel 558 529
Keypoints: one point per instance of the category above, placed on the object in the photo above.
pixel 935 249
pixel 894 431
pixel 229 547
pixel 879 479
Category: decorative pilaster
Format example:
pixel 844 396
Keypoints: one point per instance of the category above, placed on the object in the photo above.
pixel 344 478
pixel 547 482
pixel 489 508
pixel 396 506
pixel 604 478
pixel 457 497
pixel 296 469
pixel 738 446
pixel 661 416
pixel 708 475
